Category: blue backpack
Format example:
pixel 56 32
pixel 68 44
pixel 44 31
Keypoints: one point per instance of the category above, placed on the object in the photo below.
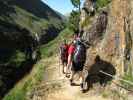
pixel 79 53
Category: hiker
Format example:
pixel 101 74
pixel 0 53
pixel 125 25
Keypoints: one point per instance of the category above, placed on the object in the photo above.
pixel 64 55
pixel 76 58
pixel 71 49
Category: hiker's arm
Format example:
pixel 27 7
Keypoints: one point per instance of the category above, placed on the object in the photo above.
pixel 69 60
pixel 59 52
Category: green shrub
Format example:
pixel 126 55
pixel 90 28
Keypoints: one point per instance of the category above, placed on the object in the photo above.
pixel 19 92
pixel 102 3
pixel 85 22
pixel 129 77
pixel 52 47
pixel 17 59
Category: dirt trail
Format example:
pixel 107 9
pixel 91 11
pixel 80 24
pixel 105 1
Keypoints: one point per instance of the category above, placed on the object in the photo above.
pixel 56 87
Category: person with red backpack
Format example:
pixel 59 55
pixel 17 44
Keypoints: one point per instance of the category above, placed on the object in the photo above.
pixel 64 54
pixel 76 58
pixel 71 50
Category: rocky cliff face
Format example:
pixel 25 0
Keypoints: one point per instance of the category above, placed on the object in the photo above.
pixel 117 42
pixel 95 31
pixel 116 45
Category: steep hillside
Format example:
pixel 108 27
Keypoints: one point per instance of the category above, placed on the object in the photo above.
pixel 20 20
pixel 23 88
pixel 34 15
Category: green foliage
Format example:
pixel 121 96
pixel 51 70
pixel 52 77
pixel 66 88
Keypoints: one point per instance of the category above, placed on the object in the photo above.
pixel 102 3
pixel 129 77
pixel 29 21
pixel 76 3
pixel 17 59
pixel 19 92
pixel 14 58
pixel 85 22
pixel 73 23
pixel 52 47
pixel 34 24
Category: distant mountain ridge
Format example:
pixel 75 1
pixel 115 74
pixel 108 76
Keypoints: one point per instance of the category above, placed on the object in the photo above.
pixel 32 15
pixel 37 7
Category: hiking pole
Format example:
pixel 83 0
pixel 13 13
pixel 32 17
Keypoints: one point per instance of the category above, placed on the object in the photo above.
pixel 59 66
pixel 116 77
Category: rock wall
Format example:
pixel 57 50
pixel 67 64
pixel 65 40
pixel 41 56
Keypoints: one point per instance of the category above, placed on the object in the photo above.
pixel 116 46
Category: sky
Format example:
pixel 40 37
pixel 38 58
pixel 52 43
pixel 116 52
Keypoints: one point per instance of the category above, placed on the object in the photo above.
pixel 62 6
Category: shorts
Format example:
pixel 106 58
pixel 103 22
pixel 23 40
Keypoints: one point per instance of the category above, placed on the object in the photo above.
pixel 77 66
pixel 64 61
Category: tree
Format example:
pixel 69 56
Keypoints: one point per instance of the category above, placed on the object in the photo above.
pixel 76 4
pixel 74 20
pixel 75 15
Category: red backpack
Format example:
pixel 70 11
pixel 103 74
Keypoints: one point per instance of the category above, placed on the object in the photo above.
pixel 64 51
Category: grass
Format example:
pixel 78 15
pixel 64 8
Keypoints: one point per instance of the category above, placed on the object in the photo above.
pixel 14 58
pixel 86 22
pixel 119 93
pixel 129 77
pixel 102 3
pixel 34 24
pixel 29 21
pixel 114 94
pixel 19 92
pixel 52 47
pixel 17 59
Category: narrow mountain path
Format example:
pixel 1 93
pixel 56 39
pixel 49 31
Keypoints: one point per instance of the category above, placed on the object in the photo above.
pixel 56 86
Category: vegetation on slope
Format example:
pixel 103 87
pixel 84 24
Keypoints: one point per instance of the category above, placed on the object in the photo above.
pixel 19 92
pixel 25 14
pixel 19 21
pixel 99 4
pixel 52 47
pixel 102 3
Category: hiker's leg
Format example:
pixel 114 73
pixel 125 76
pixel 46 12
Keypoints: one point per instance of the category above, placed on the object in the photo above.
pixel 70 69
pixel 63 69
pixel 67 71
pixel 84 84
pixel 72 76
pixel 81 76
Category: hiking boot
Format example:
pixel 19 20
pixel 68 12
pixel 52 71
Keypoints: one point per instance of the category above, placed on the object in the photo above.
pixel 82 88
pixel 71 83
pixel 68 75
pixel 63 72
pixel 81 85
pixel 84 91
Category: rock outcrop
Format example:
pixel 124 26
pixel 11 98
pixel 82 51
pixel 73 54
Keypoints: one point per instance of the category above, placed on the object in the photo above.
pixel 95 32
pixel 115 45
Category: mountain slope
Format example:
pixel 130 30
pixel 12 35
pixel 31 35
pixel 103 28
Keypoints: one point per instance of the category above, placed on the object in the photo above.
pixel 19 21
pixel 32 15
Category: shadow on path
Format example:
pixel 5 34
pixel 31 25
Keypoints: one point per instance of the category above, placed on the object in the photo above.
pixel 94 74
